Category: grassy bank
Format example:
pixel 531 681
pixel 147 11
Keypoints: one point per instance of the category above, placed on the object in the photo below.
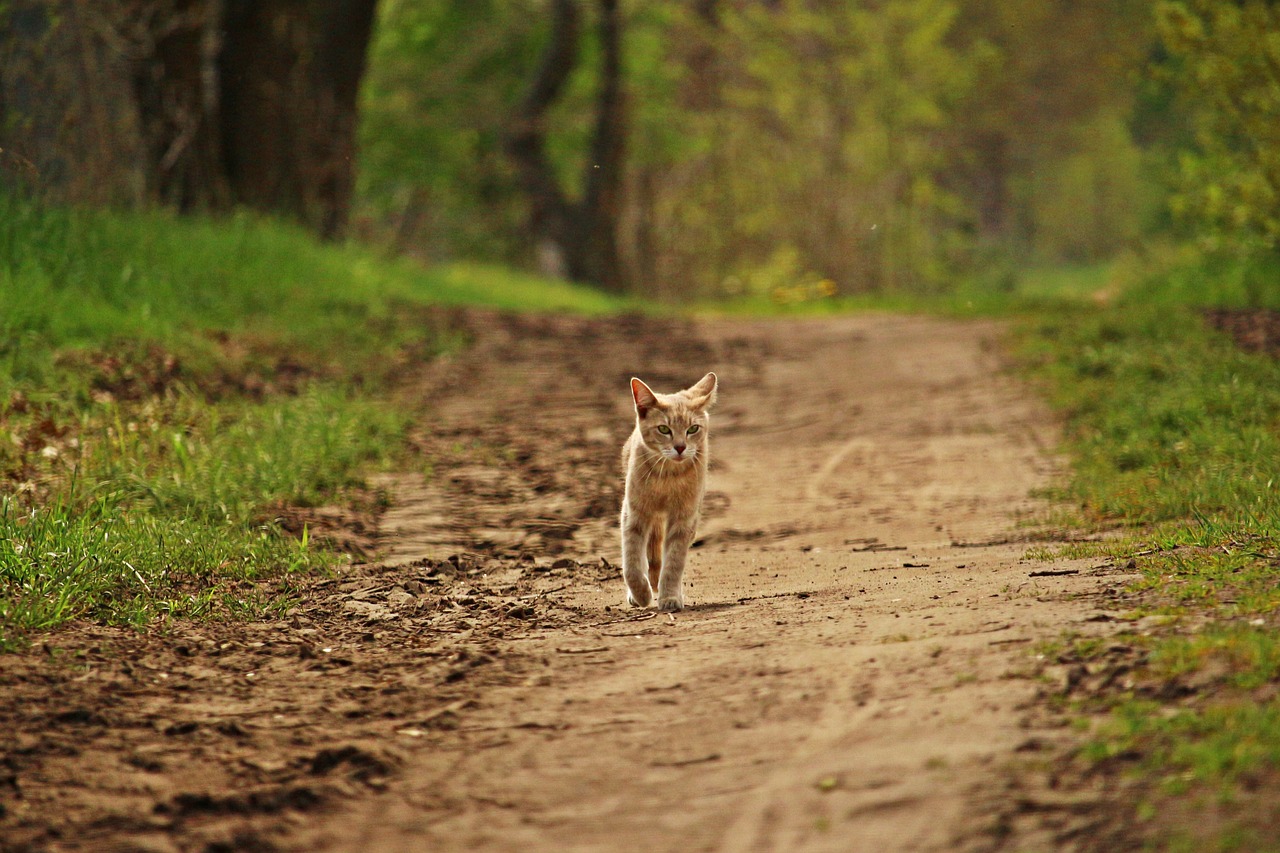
pixel 1175 436
pixel 164 384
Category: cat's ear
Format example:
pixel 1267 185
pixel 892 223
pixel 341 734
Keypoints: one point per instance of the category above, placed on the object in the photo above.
pixel 645 399
pixel 703 395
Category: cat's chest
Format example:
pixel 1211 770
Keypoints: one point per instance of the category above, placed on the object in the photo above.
pixel 675 491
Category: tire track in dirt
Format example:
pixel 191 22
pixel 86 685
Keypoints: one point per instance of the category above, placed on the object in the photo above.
pixel 814 491
pixel 855 668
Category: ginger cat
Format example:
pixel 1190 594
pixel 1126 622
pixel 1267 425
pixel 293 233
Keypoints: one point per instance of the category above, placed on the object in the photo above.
pixel 665 464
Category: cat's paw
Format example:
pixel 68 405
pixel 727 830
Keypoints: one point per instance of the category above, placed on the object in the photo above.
pixel 670 605
pixel 641 600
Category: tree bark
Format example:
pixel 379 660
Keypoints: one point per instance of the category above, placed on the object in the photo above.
pixel 550 212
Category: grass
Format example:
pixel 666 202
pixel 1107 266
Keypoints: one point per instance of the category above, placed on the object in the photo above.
pixel 164 383
pixel 1168 421
pixel 84 279
pixel 1174 434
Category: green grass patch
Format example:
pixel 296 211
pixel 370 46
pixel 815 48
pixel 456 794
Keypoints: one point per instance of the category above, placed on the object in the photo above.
pixel 1166 419
pixel 214 292
pixel 1221 747
pixel 102 560
pixel 465 283
pixel 166 382
pixel 161 509
pixel 1174 435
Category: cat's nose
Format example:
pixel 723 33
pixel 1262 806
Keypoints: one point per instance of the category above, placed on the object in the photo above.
pixel 679 449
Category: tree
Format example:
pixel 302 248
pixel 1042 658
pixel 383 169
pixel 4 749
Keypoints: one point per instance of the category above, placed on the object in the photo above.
pixel 215 103
pixel 1224 62
pixel 68 123
pixel 810 158
pixel 575 237
pixel 175 46
pixel 1051 73
pixel 435 107
pixel 765 144
pixel 289 74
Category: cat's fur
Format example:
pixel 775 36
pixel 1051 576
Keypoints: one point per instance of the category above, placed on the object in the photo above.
pixel 665 464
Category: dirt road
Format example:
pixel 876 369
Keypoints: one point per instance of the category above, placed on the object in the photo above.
pixel 856 670
pixel 850 673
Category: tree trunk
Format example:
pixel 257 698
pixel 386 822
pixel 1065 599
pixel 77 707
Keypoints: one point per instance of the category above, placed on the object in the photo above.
pixel 175 42
pixel 550 212
pixel 199 104
pixel 577 239
pixel 289 76
pixel 597 257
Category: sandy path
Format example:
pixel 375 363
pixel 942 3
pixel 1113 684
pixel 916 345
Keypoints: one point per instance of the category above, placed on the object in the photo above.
pixel 851 671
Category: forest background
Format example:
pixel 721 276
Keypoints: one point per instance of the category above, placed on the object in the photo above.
pixel 676 149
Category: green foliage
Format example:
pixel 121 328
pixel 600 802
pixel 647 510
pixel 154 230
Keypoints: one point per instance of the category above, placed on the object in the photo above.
pixel 1222 280
pixel 1095 199
pixel 886 147
pixel 1049 163
pixel 1225 63
pixel 834 113
pixel 443 76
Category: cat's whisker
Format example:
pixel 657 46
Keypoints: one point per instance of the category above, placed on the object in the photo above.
pixel 648 468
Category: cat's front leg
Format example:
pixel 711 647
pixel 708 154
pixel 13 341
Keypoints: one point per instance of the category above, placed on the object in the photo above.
pixel 670 587
pixel 635 565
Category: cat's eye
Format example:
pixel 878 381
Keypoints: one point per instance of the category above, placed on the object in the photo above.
pixel 665 430
pixel 693 429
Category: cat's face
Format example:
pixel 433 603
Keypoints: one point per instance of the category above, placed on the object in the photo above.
pixel 675 425
pixel 678 433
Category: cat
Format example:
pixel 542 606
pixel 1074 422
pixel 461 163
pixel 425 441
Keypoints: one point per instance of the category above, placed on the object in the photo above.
pixel 665 465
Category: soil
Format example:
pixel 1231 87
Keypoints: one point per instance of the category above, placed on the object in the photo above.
pixel 1254 330
pixel 860 668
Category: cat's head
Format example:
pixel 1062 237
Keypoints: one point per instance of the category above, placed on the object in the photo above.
pixel 675 425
